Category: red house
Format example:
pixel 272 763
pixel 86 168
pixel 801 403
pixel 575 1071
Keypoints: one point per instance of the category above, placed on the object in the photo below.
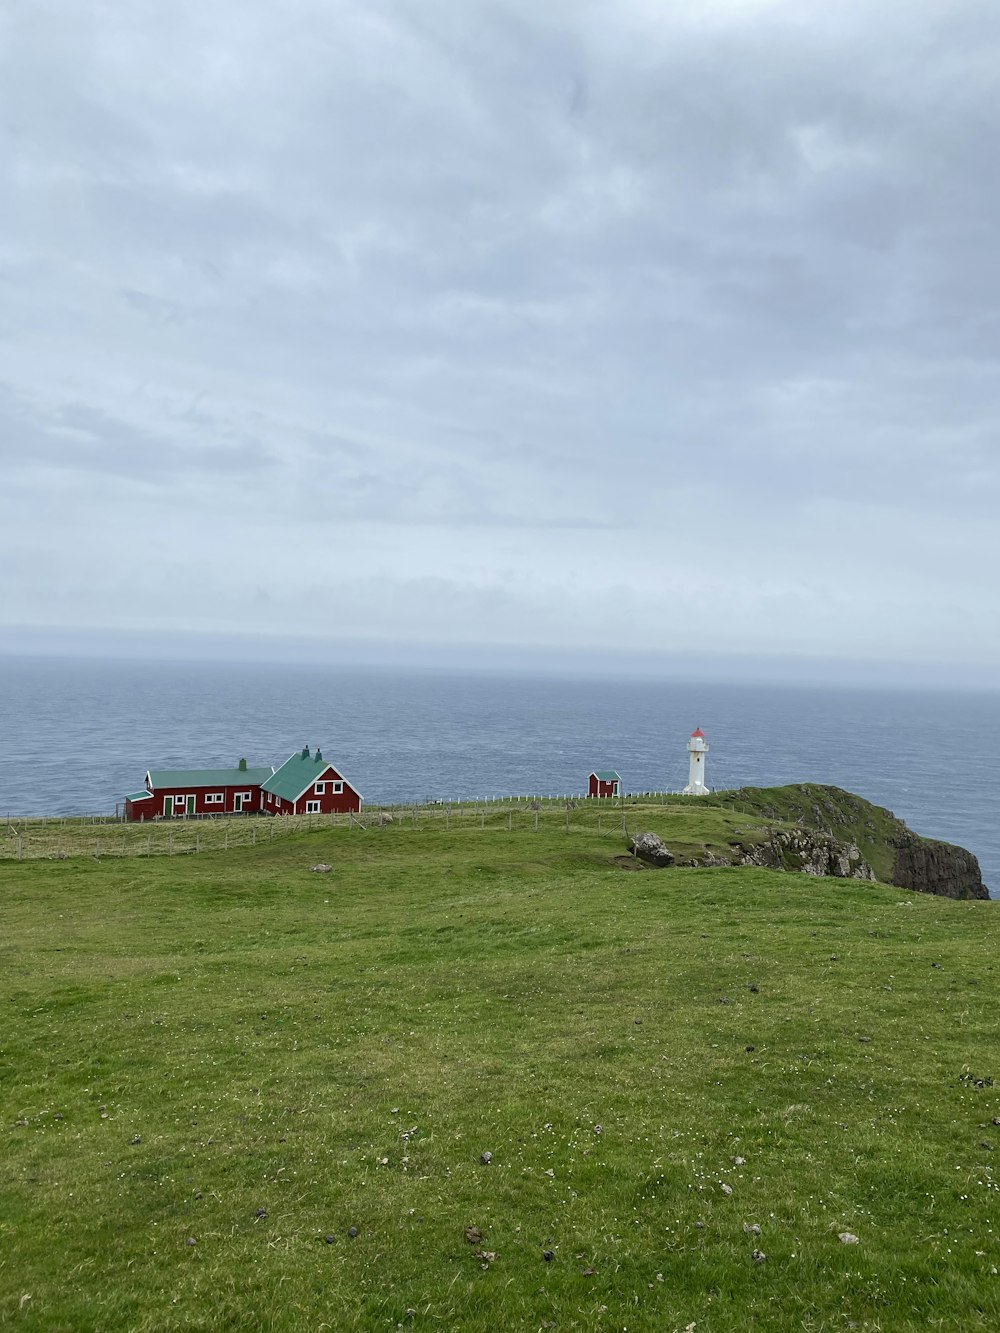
pixel 307 785
pixel 302 785
pixel 176 793
pixel 605 784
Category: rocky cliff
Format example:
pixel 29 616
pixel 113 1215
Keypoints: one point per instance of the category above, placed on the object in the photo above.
pixel 937 867
pixel 851 838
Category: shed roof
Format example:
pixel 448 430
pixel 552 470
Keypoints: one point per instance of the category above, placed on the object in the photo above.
pixel 139 795
pixel 296 774
pixel 208 777
pixel 607 776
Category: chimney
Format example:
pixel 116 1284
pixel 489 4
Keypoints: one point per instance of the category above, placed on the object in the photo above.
pixel 242 765
pixel 305 752
pixel 319 756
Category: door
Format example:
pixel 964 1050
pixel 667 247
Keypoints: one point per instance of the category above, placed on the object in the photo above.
pixel 190 805
pixel 238 802
pixel 168 806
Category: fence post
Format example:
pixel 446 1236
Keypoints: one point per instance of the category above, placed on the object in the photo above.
pixel 170 842
pixel 482 819
pixel 510 820
pixel 149 844
pixel 197 840
pixel 97 849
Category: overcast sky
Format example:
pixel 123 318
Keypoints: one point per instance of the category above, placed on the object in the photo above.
pixel 672 327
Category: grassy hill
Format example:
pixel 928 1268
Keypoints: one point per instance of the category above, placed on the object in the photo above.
pixel 215 1068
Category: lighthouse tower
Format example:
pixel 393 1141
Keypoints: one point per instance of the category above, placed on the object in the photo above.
pixel 697 749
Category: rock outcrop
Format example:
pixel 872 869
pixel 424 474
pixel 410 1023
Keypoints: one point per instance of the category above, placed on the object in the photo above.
pixel 937 867
pixel 651 849
pixel 808 852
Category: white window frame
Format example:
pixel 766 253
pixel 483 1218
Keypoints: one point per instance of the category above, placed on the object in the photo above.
pixel 215 798
pixel 247 795
pixel 336 788
pixel 313 807
pixel 320 788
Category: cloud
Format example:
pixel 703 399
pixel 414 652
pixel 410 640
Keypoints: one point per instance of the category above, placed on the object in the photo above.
pixel 538 324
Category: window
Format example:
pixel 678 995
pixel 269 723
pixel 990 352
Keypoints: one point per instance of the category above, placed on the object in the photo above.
pixel 337 787
pixel 320 788
pixel 215 798
pixel 312 807
pixel 245 795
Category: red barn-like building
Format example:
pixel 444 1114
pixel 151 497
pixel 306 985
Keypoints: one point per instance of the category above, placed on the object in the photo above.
pixel 605 784
pixel 307 785
pixel 176 793
pixel 304 784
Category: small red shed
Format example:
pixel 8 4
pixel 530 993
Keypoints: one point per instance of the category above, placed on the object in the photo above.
pixel 607 783
pixel 306 784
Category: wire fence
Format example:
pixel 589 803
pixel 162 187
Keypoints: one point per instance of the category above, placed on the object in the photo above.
pixel 100 837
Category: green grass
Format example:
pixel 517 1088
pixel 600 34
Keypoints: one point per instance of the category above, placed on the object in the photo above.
pixel 339 1049
pixel 694 827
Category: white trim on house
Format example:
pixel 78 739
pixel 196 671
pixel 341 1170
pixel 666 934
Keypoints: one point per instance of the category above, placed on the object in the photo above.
pixel 320 788
pixel 314 807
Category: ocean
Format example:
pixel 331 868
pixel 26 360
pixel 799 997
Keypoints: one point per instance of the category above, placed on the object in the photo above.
pixel 76 735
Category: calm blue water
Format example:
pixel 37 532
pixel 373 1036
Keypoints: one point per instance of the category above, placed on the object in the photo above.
pixel 76 735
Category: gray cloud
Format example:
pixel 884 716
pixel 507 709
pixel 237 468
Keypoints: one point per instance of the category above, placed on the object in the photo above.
pixel 532 325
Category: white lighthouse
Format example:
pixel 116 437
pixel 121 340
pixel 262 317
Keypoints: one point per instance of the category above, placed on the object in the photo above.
pixel 697 749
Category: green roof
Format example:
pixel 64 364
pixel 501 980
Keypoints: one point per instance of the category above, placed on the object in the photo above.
pixel 607 776
pixel 138 795
pixel 296 774
pixel 208 777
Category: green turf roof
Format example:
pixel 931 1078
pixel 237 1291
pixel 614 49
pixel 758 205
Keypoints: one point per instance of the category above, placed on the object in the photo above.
pixel 296 774
pixel 208 777
pixel 607 776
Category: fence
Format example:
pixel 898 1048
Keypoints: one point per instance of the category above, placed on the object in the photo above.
pixel 103 836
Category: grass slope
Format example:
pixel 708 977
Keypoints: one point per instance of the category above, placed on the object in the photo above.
pixel 187 1041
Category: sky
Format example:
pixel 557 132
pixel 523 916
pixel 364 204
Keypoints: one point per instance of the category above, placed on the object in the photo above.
pixel 504 327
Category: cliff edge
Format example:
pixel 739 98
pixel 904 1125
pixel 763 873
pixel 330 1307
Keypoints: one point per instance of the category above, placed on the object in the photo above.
pixel 855 837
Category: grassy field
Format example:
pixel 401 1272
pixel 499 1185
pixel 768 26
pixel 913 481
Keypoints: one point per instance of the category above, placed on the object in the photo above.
pixel 694 829
pixel 237 1095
